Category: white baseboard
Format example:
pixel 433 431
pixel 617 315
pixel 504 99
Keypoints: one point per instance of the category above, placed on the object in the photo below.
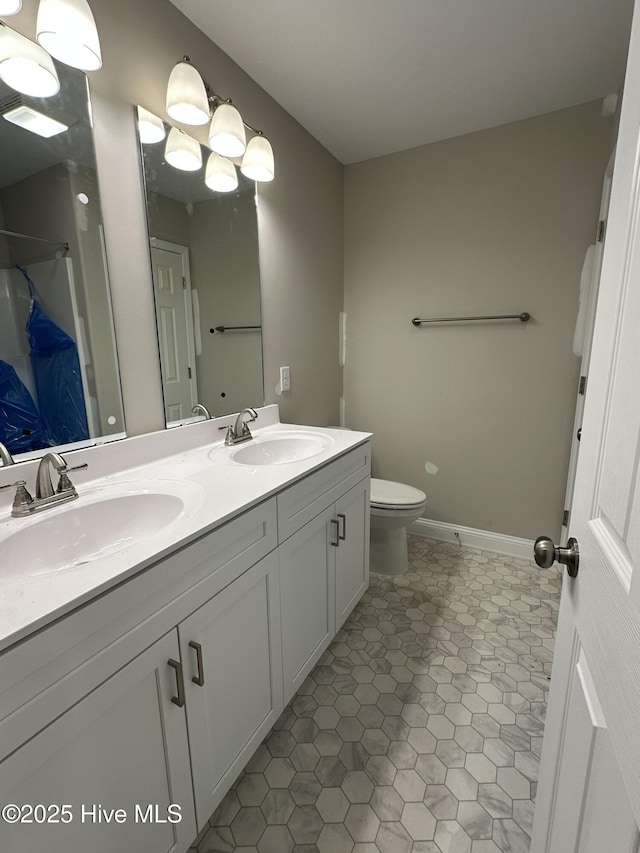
pixel 484 540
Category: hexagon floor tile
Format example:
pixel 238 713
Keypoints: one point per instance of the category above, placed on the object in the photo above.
pixel 420 727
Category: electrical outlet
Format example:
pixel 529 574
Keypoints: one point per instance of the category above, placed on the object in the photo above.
pixel 285 379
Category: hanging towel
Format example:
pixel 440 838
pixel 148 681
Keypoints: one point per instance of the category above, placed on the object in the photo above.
pixel 586 285
pixel 56 371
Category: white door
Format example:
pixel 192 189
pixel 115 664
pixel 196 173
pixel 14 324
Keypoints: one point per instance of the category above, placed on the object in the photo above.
pixel 588 341
pixel 123 747
pixel 307 596
pixel 174 319
pixel 589 790
pixel 352 554
pixel 232 659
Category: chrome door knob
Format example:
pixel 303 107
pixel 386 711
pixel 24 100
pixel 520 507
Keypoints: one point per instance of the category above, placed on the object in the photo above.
pixel 546 554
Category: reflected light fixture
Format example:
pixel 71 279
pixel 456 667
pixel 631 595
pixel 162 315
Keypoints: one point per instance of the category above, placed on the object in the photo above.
pixel 187 100
pixel 227 136
pixel 220 174
pixel 25 66
pixel 10 7
pixel 182 151
pixel 257 163
pixel 150 127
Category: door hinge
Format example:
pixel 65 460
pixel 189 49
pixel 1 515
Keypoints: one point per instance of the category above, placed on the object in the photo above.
pixel 602 226
pixel 565 518
pixel 184 283
pixel 582 387
pixel 189 369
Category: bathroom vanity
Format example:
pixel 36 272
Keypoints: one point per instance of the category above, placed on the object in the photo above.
pixel 149 675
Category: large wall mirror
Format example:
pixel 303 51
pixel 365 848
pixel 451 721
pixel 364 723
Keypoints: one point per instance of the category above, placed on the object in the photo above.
pixel 59 380
pixel 206 276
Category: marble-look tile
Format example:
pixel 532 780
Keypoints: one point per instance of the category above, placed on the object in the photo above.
pixel 419 730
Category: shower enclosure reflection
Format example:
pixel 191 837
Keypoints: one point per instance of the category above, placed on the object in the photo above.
pixel 59 379
pixel 206 276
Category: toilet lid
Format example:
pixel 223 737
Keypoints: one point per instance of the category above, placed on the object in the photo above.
pixel 387 493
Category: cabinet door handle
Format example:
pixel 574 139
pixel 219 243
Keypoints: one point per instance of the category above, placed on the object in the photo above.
pixel 337 524
pixel 344 526
pixel 199 678
pixel 179 699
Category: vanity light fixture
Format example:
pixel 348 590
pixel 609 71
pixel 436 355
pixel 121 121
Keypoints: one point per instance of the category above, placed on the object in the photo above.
pixel 25 66
pixel 182 151
pixel 257 163
pixel 187 99
pixel 10 7
pixel 227 136
pixel 67 30
pixel 220 174
pixel 150 127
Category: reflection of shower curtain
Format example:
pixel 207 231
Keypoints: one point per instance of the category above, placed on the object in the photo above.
pixel 56 370
pixel 21 428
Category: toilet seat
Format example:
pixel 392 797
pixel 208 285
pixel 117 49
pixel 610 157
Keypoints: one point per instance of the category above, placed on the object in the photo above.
pixel 388 495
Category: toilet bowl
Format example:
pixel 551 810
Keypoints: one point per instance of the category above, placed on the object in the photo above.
pixel 393 507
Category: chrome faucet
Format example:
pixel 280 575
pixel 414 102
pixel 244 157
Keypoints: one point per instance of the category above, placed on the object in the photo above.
pixel 202 409
pixel 240 431
pixel 7 458
pixel 25 504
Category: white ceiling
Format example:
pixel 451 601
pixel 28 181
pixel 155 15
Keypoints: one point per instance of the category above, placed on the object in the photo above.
pixel 369 77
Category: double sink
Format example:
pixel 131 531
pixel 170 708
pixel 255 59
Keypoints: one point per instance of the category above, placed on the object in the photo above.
pixel 108 519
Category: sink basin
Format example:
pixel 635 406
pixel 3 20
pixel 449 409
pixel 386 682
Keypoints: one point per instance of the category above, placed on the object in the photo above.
pixel 277 448
pixel 97 525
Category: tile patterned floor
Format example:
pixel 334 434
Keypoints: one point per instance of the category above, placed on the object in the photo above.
pixel 420 729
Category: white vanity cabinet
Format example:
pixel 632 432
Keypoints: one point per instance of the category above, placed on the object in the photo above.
pixel 230 648
pixel 159 691
pixel 123 745
pixel 324 562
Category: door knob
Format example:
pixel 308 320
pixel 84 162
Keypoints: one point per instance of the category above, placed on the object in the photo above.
pixel 546 554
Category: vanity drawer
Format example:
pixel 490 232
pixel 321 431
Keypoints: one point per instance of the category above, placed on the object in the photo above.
pixel 47 673
pixel 303 501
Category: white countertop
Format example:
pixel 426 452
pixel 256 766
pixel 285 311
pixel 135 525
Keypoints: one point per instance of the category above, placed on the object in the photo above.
pixel 213 492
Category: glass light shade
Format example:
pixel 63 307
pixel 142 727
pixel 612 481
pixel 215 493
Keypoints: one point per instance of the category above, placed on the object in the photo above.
pixel 150 127
pixel 257 163
pixel 10 7
pixel 182 151
pixel 25 66
pixel 220 174
pixel 187 100
pixel 67 30
pixel 226 134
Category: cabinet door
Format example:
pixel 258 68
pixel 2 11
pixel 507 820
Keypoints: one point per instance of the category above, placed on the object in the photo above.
pixel 124 745
pixel 352 556
pixel 233 675
pixel 307 595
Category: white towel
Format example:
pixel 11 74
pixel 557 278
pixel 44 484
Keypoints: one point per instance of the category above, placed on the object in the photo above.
pixel 586 285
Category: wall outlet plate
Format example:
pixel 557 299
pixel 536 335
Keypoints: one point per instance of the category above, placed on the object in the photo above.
pixel 285 379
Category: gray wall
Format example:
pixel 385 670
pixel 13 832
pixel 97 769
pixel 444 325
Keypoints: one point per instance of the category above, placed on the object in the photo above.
pixel 301 227
pixel 493 222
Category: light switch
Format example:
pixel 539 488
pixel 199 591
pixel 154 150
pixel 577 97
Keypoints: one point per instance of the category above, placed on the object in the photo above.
pixel 285 379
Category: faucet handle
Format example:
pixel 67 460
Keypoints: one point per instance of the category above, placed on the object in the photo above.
pixel 64 483
pixel 22 498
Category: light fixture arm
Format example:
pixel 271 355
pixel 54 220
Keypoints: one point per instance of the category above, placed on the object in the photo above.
pixel 215 100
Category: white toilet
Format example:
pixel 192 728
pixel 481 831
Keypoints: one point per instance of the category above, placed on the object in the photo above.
pixel 393 507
